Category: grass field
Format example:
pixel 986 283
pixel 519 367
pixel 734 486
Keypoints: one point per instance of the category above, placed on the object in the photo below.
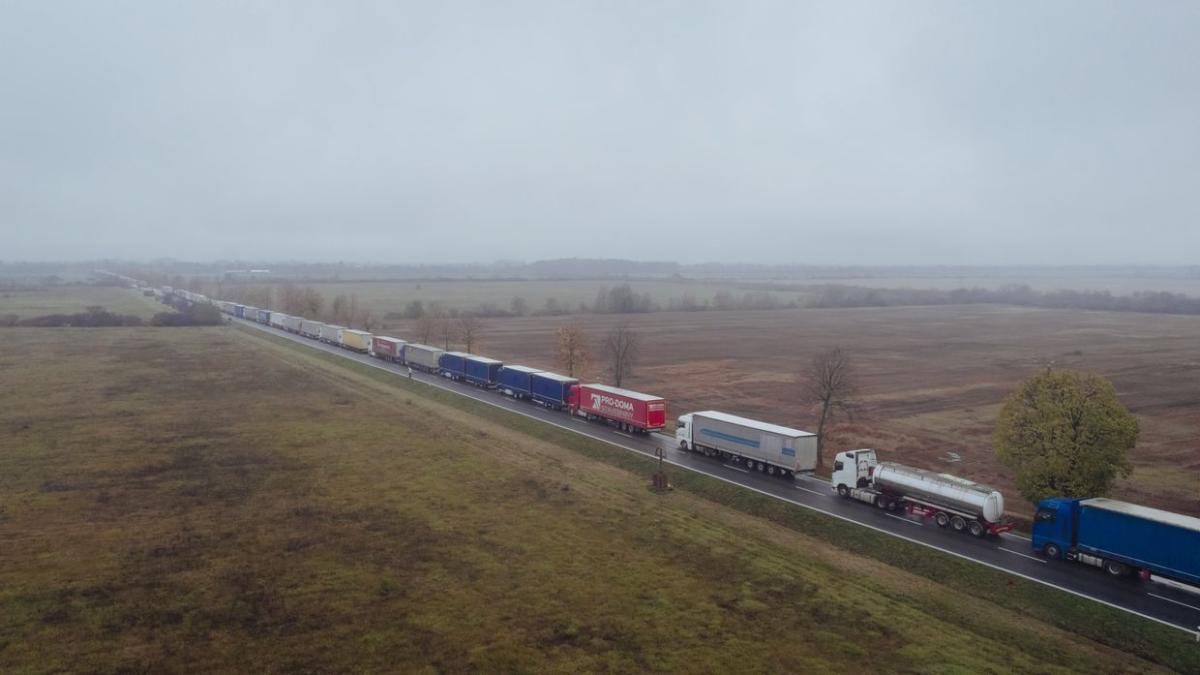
pixel 65 299
pixel 198 500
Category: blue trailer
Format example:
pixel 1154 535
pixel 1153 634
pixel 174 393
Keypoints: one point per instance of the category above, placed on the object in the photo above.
pixel 516 381
pixel 482 371
pixel 1119 537
pixel 453 364
pixel 551 389
pixel 238 310
pixel 264 316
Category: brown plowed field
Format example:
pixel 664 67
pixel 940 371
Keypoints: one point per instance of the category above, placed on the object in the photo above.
pixel 932 378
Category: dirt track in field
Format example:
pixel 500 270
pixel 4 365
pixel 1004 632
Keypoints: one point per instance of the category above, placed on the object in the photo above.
pixel 932 378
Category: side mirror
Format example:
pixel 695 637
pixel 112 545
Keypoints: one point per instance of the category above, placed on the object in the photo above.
pixel 838 466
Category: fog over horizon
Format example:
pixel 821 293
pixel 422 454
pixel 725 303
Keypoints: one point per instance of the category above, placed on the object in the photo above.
pixel 836 133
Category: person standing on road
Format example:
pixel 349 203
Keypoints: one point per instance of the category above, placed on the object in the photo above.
pixel 410 372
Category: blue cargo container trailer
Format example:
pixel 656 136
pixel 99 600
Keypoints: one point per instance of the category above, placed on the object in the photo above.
pixel 551 389
pixel 1119 537
pixel 482 371
pixel 264 316
pixel 453 365
pixel 516 381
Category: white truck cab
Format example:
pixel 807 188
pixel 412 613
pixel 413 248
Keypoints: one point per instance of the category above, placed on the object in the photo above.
pixel 852 469
pixel 683 431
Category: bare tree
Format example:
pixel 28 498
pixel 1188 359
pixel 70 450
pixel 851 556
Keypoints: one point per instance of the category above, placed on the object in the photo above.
pixel 622 348
pixel 573 351
pixel 829 382
pixel 312 301
pixel 425 328
pixel 470 331
pixel 445 330
pixel 368 321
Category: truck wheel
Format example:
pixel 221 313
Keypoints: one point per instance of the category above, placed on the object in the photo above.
pixel 1115 568
pixel 770 470
pixel 941 518
pixel 958 523
pixel 683 445
pixel 1052 551
pixel 881 504
pixel 843 491
pixel 897 506
pixel 976 528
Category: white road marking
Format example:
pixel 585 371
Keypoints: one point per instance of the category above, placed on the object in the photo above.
pixel 802 505
pixel 819 494
pixel 1026 555
pixel 1156 595
pixel 735 468
pixel 910 522
pixel 622 433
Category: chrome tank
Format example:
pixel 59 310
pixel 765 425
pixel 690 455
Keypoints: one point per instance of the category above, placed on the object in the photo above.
pixel 941 489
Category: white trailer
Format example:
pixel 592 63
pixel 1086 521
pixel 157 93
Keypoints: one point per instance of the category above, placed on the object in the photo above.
pixel 332 334
pixel 278 320
pixel 311 329
pixel 958 503
pixel 770 448
pixel 422 357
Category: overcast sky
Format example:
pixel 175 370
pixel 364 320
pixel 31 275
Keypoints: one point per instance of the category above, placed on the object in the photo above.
pixel 890 132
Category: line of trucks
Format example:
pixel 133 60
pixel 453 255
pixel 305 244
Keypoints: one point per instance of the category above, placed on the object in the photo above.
pixel 1121 538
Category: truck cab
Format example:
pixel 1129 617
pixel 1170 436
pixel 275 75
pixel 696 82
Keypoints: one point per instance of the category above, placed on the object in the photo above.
pixel 852 469
pixel 1054 526
pixel 683 431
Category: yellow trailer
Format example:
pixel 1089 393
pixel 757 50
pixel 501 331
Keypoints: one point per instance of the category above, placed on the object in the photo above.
pixel 359 341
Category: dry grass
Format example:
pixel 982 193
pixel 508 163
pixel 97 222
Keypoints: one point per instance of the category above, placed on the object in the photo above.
pixel 192 500
pixel 64 299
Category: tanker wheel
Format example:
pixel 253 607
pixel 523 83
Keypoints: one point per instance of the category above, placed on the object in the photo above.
pixel 941 519
pixel 958 523
pixel 683 445
pixel 897 506
pixel 843 491
pixel 976 528
pixel 1052 551
pixel 881 504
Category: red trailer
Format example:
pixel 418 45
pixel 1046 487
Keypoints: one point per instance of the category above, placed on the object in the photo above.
pixel 386 348
pixel 629 410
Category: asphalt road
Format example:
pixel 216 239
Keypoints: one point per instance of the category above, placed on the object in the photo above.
pixel 1010 553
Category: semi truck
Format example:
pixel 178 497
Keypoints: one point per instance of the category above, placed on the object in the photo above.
pixel 263 316
pixel 292 323
pixel 1120 538
pixel 277 319
pixel 516 381
pixel 388 348
pixel 769 448
pixel 478 370
pixel 331 333
pixel 357 340
pixel 311 329
pixel 551 389
pixel 422 357
pixel 628 410
pixel 960 504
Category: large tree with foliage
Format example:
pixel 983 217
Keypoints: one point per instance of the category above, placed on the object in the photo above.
pixel 1065 434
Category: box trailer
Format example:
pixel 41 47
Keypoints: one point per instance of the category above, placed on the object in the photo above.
pixel 422 357
pixel 551 389
pixel 770 448
pixel 292 323
pixel 331 333
pixel 277 319
pixel 1119 537
pixel 238 310
pixel 311 329
pixel 264 316
pixel 453 365
pixel 626 409
pixel 951 501
pixel 358 340
pixel 516 381
pixel 482 371
pixel 388 348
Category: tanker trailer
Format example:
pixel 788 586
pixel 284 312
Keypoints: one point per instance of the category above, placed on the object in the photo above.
pixel 951 501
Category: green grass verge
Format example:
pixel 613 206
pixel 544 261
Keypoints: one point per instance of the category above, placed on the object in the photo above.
pixel 1106 625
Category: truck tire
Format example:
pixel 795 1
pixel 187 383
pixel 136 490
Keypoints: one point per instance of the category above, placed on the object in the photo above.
pixel 1052 551
pixel 881 503
pixel 958 523
pixel 771 470
pixel 941 518
pixel 976 528
pixel 843 491
pixel 1116 569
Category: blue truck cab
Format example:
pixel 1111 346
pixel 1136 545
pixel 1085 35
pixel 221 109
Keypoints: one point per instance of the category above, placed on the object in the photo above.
pixel 1119 537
